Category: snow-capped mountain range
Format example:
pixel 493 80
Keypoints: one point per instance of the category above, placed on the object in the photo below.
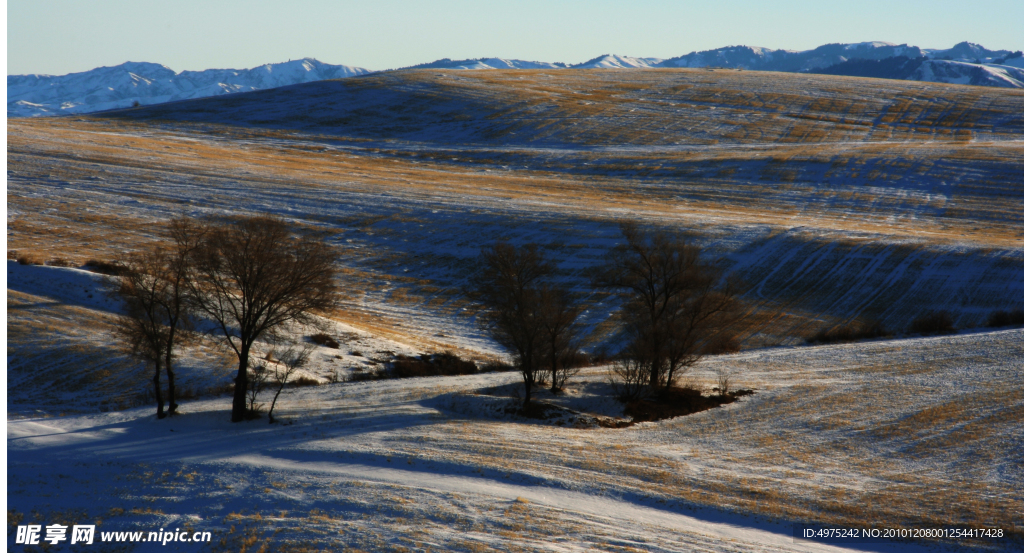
pixel 123 85
pixel 965 63
pixel 488 63
pixel 134 83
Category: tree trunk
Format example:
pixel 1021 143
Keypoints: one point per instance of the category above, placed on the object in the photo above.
pixel 156 391
pixel 657 355
pixel 172 407
pixel 671 374
pixel 238 406
pixel 554 374
pixel 270 414
pixel 529 389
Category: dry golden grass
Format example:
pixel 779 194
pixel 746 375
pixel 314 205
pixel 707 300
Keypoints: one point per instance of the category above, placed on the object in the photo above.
pixel 72 182
pixel 264 168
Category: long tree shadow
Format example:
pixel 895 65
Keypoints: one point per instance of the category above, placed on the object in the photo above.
pixel 63 286
pixel 201 436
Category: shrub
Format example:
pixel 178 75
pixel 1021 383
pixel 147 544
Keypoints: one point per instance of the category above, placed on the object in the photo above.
pixel 725 343
pixel 496 366
pixel 193 392
pixel 405 366
pixel 452 364
pixel 376 373
pixel 851 332
pixel 106 267
pixel 325 340
pixel 303 381
pixel 634 374
pixel 221 389
pixel 1006 318
pixel 60 262
pixel 438 364
pixel 334 377
pixel 29 259
pixel 408 367
pixel 724 379
pixel 593 359
pixel 933 322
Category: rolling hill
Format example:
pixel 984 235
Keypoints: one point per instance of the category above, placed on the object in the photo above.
pixel 834 198
pixel 125 85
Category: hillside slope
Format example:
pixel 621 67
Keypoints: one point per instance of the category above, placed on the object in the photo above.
pixel 612 108
pixel 834 197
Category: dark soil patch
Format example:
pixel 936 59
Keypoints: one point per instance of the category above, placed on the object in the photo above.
pixel 678 402
pixel 557 415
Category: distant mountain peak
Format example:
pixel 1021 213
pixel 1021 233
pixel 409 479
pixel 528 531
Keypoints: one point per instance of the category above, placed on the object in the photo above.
pixel 871 44
pixel 123 85
pixel 487 63
pixel 613 61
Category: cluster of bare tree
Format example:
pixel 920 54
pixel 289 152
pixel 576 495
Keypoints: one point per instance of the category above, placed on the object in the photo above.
pixel 536 320
pixel 676 308
pixel 242 276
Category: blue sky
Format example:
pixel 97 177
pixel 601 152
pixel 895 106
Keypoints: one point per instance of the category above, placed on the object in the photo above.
pixel 63 36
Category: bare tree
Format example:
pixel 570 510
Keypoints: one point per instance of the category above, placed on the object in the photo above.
pixel 562 333
pixel 290 361
pixel 250 275
pixel 633 367
pixel 675 306
pixel 509 289
pixel 140 329
pixel 705 316
pixel 259 373
pixel 185 236
pixel 156 316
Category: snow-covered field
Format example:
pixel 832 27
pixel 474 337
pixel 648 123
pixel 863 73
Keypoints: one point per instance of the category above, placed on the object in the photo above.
pixel 909 200
pixel 916 433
